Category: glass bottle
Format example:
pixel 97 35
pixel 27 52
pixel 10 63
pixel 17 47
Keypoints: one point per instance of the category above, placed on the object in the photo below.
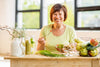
pixel 27 46
pixel 33 45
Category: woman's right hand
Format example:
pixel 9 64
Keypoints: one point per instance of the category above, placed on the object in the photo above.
pixel 41 41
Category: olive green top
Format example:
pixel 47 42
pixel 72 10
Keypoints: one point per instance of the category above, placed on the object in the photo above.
pixel 52 40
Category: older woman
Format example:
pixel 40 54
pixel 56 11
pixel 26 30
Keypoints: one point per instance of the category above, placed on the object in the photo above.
pixel 56 33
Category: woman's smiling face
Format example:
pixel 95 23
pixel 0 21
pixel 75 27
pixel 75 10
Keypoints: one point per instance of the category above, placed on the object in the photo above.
pixel 58 17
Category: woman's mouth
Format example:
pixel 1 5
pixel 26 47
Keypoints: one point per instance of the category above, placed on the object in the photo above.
pixel 57 20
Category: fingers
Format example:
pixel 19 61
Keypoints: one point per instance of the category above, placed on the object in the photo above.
pixel 60 50
pixel 41 40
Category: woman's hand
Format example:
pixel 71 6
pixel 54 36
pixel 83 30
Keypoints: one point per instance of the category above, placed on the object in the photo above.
pixel 62 51
pixel 41 43
pixel 41 40
pixel 59 48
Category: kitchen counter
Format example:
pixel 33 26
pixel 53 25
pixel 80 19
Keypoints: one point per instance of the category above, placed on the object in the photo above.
pixel 43 61
pixel 40 57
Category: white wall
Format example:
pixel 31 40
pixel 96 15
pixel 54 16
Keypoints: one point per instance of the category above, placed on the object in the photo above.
pixel 7 17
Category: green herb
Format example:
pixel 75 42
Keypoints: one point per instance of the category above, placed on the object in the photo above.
pixel 32 42
pixel 48 53
pixel 90 47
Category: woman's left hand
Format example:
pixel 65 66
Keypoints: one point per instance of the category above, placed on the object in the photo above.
pixel 58 47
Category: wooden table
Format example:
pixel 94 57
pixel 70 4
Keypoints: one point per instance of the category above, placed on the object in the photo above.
pixel 42 61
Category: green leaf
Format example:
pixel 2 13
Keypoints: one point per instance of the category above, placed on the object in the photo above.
pixel 32 42
pixel 89 47
pixel 48 53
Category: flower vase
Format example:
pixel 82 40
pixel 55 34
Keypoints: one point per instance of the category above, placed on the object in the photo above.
pixel 16 49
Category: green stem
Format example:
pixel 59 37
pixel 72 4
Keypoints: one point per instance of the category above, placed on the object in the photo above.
pixel 92 47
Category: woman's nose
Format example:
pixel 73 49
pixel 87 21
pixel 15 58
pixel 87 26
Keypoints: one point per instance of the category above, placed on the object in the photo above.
pixel 57 16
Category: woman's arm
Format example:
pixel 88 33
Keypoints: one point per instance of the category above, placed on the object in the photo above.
pixel 41 44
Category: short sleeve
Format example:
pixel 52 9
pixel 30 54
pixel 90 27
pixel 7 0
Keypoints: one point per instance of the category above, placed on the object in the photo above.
pixel 42 33
pixel 72 35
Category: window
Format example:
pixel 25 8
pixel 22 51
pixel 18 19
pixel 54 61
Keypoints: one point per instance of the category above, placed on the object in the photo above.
pixel 87 14
pixel 29 14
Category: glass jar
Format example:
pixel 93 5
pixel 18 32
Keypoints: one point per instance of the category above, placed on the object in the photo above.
pixel 30 46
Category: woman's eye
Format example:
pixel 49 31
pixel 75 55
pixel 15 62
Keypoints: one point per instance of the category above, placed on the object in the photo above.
pixel 55 14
